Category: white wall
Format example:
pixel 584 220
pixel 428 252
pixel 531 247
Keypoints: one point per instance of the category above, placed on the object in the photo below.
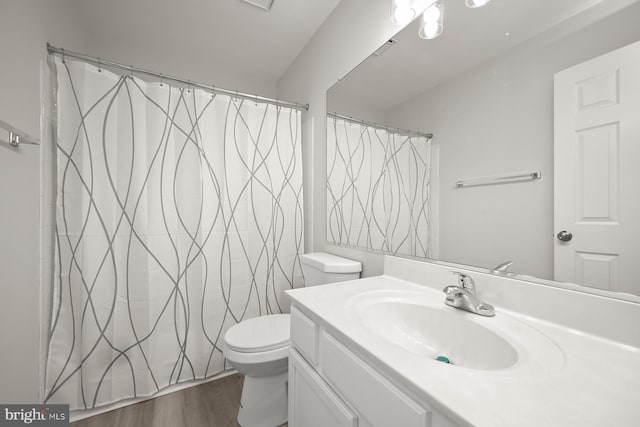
pixel 25 27
pixel 184 62
pixel 350 106
pixel 353 30
pixel 498 119
pixel 202 41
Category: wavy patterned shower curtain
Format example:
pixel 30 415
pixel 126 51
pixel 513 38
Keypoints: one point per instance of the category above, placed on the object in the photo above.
pixel 379 194
pixel 178 214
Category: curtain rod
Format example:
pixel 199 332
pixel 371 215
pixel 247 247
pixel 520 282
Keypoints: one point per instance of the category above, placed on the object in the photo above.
pixel 163 77
pixel 377 126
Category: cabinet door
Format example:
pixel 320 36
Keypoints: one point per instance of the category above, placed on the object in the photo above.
pixel 311 402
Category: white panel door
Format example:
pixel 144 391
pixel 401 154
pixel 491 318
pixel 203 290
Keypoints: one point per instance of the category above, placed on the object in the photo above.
pixel 597 172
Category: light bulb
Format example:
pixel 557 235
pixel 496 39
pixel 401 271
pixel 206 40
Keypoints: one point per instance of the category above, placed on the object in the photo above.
pixel 476 3
pixel 403 16
pixel 430 30
pixel 432 14
pixel 401 12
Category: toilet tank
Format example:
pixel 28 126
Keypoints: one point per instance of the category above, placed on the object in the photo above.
pixel 320 268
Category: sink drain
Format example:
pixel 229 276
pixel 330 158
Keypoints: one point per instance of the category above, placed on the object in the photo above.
pixel 443 359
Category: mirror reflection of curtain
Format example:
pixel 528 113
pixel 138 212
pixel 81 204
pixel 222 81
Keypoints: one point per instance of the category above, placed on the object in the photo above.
pixel 178 214
pixel 378 189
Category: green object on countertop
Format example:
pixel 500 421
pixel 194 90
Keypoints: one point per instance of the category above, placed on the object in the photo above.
pixel 443 359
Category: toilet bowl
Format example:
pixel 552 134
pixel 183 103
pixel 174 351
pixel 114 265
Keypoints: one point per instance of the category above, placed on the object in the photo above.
pixel 259 347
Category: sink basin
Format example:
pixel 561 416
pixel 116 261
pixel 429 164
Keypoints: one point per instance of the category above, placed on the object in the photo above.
pixel 433 332
pixel 419 326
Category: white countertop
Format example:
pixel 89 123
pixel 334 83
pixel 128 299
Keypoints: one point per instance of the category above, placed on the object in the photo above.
pixel 593 381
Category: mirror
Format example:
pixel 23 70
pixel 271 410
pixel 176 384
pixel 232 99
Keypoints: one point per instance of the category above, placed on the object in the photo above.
pixel 485 90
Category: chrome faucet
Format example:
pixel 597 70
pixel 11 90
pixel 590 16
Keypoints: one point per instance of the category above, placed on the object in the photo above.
pixel 463 296
pixel 503 268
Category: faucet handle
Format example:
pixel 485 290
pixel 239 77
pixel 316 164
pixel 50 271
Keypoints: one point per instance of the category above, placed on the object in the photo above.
pixel 502 268
pixel 465 282
pixel 450 289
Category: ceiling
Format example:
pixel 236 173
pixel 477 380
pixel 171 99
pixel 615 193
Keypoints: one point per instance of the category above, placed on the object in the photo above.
pixel 471 37
pixel 233 35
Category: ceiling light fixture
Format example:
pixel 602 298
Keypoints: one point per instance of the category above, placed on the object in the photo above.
pixel 262 4
pixel 431 14
pixel 431 21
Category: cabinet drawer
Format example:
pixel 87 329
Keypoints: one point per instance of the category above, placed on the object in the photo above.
pixel 373 397
pixel 304 335
pixel 311 402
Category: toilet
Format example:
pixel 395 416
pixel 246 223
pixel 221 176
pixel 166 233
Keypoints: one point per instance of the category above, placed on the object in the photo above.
pixel 259 347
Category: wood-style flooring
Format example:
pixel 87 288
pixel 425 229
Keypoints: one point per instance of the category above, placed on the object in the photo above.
pixel 214 404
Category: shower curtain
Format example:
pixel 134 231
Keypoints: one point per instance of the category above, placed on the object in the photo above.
pixel 379 194
pixel 178 214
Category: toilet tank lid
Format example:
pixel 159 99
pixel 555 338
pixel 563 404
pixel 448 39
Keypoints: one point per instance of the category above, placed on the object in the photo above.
pixel 331 263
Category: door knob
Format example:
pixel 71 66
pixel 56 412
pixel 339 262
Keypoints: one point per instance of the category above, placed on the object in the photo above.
pixel 564 236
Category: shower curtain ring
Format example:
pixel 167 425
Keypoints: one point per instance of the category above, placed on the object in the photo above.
pixel 64 61
pixel 99 65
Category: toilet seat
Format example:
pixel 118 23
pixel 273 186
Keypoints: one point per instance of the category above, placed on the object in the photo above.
pixel 260 334
pixel 239 358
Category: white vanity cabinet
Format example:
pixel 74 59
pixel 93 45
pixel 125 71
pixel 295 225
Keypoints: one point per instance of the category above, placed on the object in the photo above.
pixel 330 385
